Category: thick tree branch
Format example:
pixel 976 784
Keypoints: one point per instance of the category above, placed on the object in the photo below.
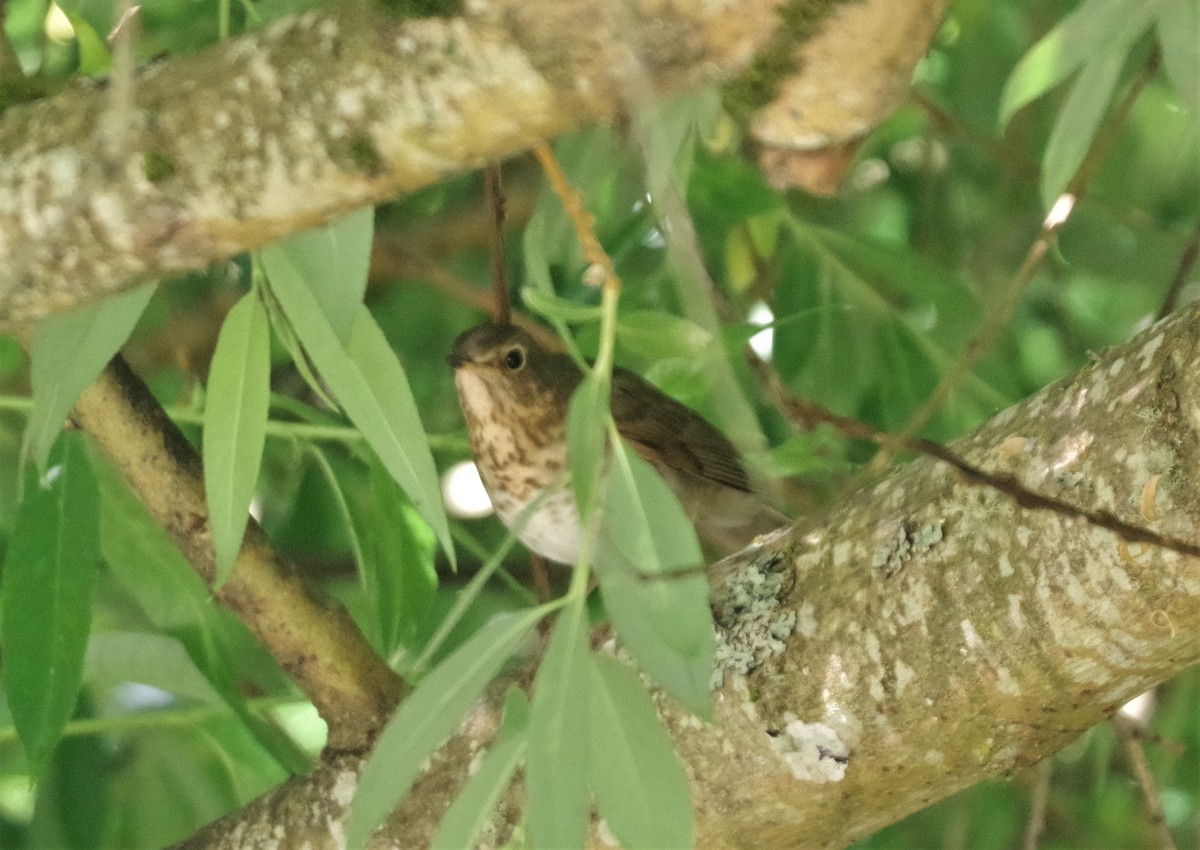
pixel 940 633
pixel 315 642
pixel 314 116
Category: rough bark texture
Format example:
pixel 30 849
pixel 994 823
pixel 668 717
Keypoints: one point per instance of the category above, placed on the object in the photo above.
pixel 927 633
pixel 312 117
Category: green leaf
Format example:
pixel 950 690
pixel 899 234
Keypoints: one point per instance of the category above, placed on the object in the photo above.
pixel 586 416
pixel 640 786
pixel 47 600
pixel 561 309
pixel 469 812
pixel 152 570
pixel 151 659
pixel 427 718
pixel 556 765
pixel 1096 29
pixel 69 351
pixel 1077 122
pixel 369 383
pixel 1179 35
pixel 235 426
pixel 656 335
pixel 398 570
pixel 94 58
pixel 332 261
pixel 651 576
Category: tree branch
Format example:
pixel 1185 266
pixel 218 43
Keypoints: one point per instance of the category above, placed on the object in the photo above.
pixel 311 117
pixel 927 634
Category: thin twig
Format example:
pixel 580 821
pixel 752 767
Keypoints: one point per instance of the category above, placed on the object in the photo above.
pixel 1002 311
pixel 1130 733
pixel 494 193
pixel 1186 261
pixel 1037 803
pixel 585 223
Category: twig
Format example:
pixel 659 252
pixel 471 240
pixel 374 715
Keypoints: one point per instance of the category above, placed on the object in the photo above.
pixel 998 318
pixel 1037 803
pixel 494 193
pixel 1186 261
pixel 585 223
pixel 1130 733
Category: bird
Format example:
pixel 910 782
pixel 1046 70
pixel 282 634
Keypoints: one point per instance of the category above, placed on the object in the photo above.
pixel 515 395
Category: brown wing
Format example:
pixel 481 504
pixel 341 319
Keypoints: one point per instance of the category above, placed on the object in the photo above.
pixel 667 432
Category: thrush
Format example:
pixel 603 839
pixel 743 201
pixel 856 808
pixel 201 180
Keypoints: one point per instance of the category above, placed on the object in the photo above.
pixel 515 395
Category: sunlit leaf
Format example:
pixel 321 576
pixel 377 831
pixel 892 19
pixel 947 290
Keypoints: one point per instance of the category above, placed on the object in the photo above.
pixel 470 811
pixel 556 765
pixel 47 599
pixel 235 426
pixel 427 718
pixel 69 351
pixel 640 786
pixel 655 335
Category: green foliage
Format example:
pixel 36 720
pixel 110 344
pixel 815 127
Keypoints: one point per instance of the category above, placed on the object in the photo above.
pixel 235 426
pixel 872 297
pixel 46 601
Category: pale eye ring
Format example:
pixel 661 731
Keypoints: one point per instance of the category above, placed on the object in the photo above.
pixel 515 358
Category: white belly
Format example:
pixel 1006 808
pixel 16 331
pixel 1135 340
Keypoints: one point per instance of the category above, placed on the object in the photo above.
pixel 552 531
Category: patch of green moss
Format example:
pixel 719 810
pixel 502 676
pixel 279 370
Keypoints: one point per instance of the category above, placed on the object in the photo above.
pixel 364 154
pixel 157 166
pixel 424 8
pixel 758 85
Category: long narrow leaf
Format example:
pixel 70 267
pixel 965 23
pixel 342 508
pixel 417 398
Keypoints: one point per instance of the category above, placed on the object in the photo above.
pixel 640 786
pixel 47 600
pixel 470 810
pixel 427 718
pixel 69 351
pixel 369 382
pixel 235 426
pixel 649 567
pixel 556 768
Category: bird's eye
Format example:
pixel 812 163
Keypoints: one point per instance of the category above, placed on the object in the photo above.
pixel 515 358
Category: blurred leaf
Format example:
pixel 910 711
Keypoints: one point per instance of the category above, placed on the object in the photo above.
pixel 640 786
pixel 662 618
pixel 47 599
pixel 1076 124
pixel 94 58
pixel 173 597
pixel 556 766
pixel 235 426
pixel 655 335
pixel 586 419
pixel 1179 34
pixel 470 811
pixel 669 128
pixel 152 659
pixel 332 262
pixel 398 572
pixel 69 351
pixel 369 382
pixel 561 309
pixel 428 716
pixel 1095 30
